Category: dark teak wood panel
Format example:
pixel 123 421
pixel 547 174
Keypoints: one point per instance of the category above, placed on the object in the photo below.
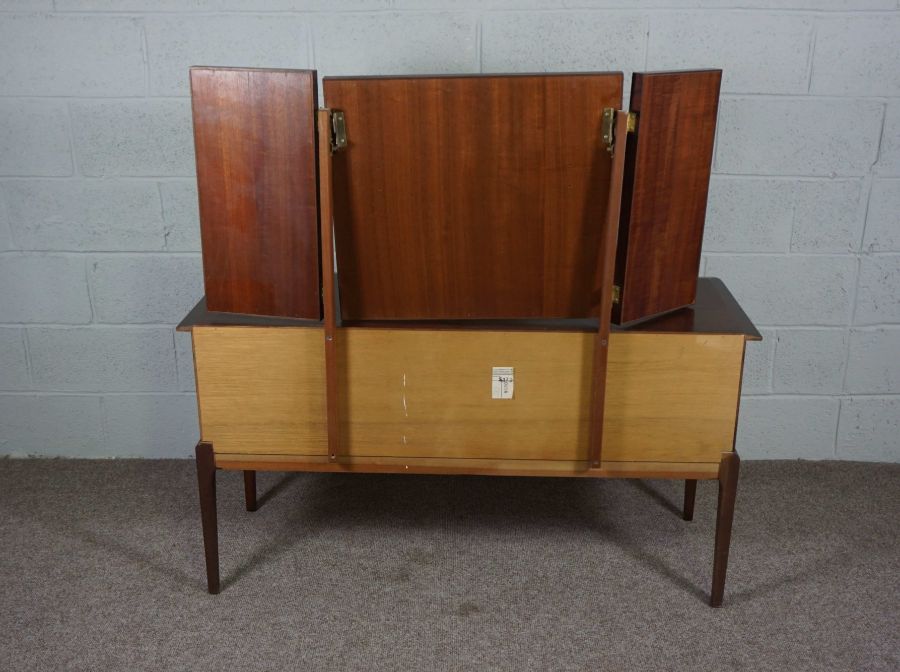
pixel 255 141
pixel 666 185
pixel 471 196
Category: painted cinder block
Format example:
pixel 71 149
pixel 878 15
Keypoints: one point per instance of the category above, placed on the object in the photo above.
pixel 73 55
pixel 758 358
pixel 873 365
pixel 103 359
pixel 768 145
pixel 563 41
pixel 748 215
pixel 34 139
pixel 44 288
pixel 150 425
pixel 181 214
pixel 149 137
pixel 877 297
pixel 26 5
pixel 883 217
pixel 390 43
pixel 776 427
pixel 6 241
pixel 813 290
pixel 827 216
pixel 65 425
pixel 857 55
pixel 483 4
pixel 175 43
pixel 85 215
pixel 758 53
pixel 869 429
pixel 219 5
pixel 146 288
pixel 797 136
pixel 823 5
pixel 889 154
pixel 13 360
pixel 781 215
pixel 184 354
pixel 810 361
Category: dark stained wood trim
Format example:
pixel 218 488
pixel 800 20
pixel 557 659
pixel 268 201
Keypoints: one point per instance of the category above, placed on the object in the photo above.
pixel 206 483
pixel 343 466
pixel 250 489
pixel 201 316
pixel 714 311
pixel 690 495
pixel 603 287
pixel 728 482
pixel 329 303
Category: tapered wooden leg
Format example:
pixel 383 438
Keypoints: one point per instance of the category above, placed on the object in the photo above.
pixel 690 493
pixel 206 481
pixel 728 480
pixel 250 490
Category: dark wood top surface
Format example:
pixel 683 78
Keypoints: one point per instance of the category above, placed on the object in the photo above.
pixel 715 312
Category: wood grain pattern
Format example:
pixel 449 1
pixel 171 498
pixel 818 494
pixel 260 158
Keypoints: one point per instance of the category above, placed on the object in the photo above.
pixel 254 137
pixel 471 196
pixel 261 390
pixel 428 394
pixel 666 187
pixel 671 397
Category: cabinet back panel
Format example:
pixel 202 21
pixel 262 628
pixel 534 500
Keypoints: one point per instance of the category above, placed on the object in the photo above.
pixel 427 394
pixel 261 389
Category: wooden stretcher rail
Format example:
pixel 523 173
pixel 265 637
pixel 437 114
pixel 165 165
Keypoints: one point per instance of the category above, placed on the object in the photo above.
pixel 467 466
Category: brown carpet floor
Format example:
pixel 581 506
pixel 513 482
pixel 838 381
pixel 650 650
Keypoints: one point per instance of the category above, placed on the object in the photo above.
pixel 101 567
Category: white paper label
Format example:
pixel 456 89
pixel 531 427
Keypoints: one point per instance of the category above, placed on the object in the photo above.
pixel 502 382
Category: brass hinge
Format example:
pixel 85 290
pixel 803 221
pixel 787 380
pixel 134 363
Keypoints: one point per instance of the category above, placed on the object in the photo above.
pixel 631 122
pixel 338 131
pixel 608 127
pixel 617 294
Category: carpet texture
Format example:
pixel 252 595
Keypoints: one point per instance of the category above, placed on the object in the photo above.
pixel 101 565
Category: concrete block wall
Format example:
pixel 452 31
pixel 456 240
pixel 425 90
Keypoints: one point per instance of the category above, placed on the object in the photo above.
pixel 99 239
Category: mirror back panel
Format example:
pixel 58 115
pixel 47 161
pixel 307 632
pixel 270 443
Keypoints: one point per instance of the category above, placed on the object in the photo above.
pixel 667 170
pixel 255 142
pixel 471 196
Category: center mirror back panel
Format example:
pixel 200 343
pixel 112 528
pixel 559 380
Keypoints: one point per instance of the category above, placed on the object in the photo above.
pixel 471 196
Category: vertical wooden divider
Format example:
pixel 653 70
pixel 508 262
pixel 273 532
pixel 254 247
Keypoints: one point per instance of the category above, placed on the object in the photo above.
pixel 605 273
pixel 326 236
